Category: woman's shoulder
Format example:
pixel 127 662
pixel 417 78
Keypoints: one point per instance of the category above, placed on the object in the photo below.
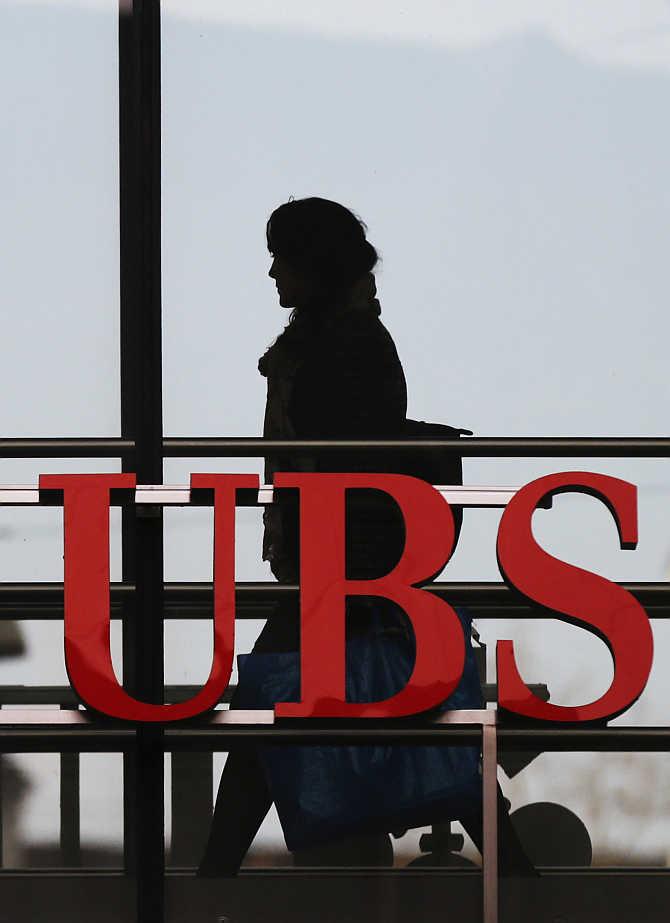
pixel 359 331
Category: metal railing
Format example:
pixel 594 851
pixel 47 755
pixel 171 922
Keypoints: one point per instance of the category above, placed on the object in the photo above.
pixel 70 732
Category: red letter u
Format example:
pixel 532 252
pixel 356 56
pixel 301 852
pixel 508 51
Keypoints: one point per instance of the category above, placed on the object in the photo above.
pixel 87 645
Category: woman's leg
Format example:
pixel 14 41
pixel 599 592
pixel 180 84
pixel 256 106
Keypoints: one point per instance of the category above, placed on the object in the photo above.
pixel 243 798
pixel 242 802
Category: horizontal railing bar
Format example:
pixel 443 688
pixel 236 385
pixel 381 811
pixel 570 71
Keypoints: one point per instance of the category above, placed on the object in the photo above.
pixel 86 873
pixel 193 601
pixel 256 600
pixel 65 695
pixel 541 739
pixel 613 739
pixel 545 871
pixel 41 735
pixel 249 718
pixel 468 447
pixel 66 448
pixel 45 739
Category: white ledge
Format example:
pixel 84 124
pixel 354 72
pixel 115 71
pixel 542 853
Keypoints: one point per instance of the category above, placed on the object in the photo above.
pixel 180 495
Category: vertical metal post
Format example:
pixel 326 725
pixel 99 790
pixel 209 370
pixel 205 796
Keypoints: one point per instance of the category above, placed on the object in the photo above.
pixel 2 837
pixel 192 783
pixel 141 420
pixel 490 822
pixel 70 807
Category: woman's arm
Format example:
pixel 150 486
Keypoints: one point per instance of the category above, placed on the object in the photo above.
pixel 354 388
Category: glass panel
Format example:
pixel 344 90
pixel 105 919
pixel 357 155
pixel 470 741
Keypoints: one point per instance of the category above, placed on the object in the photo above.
pixel 508 164
pixel 31 792
pixel 520 229
pixel 32 540
pixel 101 793
pixel 60 228
pixel 41 796
pixel 620 798
pixel 578 529
pixel 31 655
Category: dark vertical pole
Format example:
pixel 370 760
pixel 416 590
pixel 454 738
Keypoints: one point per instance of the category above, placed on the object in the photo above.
pixel 191 783
pixel 141 420
pixel 2 837
pixel 70 808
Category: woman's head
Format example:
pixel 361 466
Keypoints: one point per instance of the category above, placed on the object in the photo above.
pixel 320 251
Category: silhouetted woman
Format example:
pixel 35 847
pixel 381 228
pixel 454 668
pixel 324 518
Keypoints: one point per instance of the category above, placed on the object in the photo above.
pixel 332 373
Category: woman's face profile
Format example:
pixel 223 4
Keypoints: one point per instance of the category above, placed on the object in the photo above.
pixel 293 288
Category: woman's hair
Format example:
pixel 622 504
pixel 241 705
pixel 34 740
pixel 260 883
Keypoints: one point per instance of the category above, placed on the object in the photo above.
pixel 323 240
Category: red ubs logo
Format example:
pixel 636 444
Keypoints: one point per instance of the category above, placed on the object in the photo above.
pixel 563 590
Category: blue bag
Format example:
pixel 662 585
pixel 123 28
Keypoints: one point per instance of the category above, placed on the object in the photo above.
pixel 326 792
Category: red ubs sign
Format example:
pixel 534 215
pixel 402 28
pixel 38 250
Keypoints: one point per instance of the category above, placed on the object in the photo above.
pixel 563 590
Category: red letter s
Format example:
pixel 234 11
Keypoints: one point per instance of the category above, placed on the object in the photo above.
pixel 576 596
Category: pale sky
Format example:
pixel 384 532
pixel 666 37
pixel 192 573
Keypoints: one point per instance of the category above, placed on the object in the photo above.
pixel 621 32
